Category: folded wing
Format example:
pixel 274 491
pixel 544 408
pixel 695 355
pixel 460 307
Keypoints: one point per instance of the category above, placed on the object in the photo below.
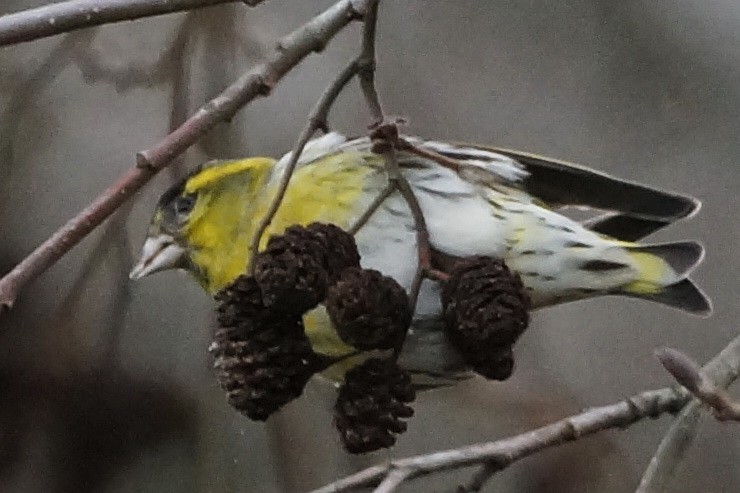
pixel 560 183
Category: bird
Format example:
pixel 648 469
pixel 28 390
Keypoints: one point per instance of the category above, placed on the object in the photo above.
pixel 498 202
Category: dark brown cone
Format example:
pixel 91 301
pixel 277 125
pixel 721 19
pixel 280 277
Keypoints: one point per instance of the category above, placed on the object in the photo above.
pixel 341 249
pixel 291 272
pixel 495 366
pixel 263 358
pixel 485 310
pixel 371 404
pixel 296 267
pixel 239 307
pixel 368 310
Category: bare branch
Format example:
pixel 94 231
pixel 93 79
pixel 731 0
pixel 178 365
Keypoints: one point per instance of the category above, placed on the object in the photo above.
pixel 62 17
pixel 723 370
pixel 258 81
pixel 481 477
pixel 393 480
pixel 509 450
pixel 386 140
pixel 671 451
pixel 688 373
pixel 367 62
pixel 684 369
pixel 444 161
pixel 719 372
pixel 317 120
pixel 377 202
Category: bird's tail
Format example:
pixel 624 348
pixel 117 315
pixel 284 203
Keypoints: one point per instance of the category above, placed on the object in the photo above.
pixel 664 270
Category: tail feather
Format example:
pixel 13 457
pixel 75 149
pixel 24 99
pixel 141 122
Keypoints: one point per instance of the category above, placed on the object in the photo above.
pixel 681 257
pixel 624 227
pixel 664 270
pixel 683 295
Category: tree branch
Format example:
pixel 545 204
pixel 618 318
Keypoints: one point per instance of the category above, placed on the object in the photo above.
pixel 62 17
pixel 259 81
pixel 317 120
pixel 374 205
pixel 368 62
pixel 723 369
pixel 689 374
pixel 386 140
pixel 509 450
pixel 393 480
pixel 671 451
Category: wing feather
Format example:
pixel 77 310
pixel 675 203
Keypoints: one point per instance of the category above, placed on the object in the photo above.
pixel 559 183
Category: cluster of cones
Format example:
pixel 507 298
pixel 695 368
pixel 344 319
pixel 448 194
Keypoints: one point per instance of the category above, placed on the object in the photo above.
pixel 264 359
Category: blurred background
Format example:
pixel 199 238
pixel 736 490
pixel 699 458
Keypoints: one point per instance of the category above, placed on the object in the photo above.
pixel 105 384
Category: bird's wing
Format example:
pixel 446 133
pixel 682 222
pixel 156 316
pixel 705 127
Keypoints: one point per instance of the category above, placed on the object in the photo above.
pixel 553 182
pixel 559 183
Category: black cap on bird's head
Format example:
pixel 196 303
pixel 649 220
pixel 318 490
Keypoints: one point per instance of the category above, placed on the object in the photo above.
pixel 164 247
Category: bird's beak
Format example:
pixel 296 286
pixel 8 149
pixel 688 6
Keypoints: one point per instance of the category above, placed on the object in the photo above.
pixel 158 253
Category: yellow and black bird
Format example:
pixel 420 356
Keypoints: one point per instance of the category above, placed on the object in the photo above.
pixel 500 203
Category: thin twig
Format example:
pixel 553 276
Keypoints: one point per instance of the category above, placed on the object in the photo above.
pixel 374 205
pixel 440 159
pixel 481 477
pixel 385 141
pixel 393 480
pixel 671 451
pixel 364 67
pixel 258 81
pixel 317 120
pixel 61 17
pixel 179 87
pixel 121 295
pixel 723 370
pixel 688 373
pixel 368 62
pixel 385 137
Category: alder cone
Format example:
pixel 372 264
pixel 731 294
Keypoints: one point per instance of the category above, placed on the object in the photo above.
pixel 262 358
pixel 372 404
pixel 296 268
pixel 368 310
pixel 485 312
pixel 239 308
pixel 340 248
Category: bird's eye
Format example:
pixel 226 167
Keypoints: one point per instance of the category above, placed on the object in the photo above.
pixel 184 204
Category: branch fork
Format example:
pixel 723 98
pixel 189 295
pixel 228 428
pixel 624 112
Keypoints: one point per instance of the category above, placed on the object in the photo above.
pixel 688 373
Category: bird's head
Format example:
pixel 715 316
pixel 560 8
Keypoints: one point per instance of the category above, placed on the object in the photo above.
pixel 199 221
